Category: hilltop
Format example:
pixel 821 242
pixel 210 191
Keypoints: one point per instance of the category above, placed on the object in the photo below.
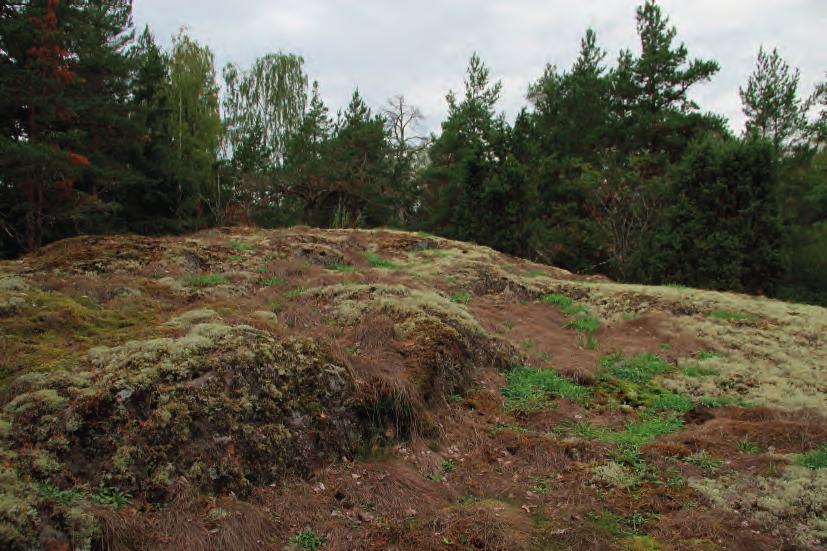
pixel 352 389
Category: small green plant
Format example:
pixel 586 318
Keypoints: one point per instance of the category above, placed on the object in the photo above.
pixel 639 368
pixel 65 497
pixel 308 539
pixel 436 477
pixel 748 446
pixel 454 398
pixel 585 323
pixel 378 262
pixel 729 315
pixel 205 280
pixel 293 293
pixel 541 486
pixel 528 344
pixel 460 297
pixel 448 466
pixel 272 281
pixel 815 459
pixel 107 495
pixel 340 267
pixel 508 324
pixel 242 246
pixel 665 346
pixel 534 273
pixel 675 286
pixel 703 460
pixel 529 389
pixel 636 520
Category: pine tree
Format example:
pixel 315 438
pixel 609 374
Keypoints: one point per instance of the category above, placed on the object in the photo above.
pixel 771 103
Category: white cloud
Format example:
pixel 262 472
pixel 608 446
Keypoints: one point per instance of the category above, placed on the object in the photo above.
pixel 421 48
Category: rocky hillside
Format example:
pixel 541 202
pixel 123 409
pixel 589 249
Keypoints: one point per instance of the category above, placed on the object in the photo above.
pixel 309 389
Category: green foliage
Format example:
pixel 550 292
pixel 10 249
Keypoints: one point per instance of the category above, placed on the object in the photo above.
pixel 460 297
pixel 815 459
pixel 308 539
pixel 639 368
pixel 448 466
pixel 528 389
pixel 64 497
pixel 272 281
pixel 205 280
pixel 107 495
pixel 293 293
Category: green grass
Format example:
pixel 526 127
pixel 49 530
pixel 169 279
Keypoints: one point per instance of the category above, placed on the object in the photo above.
pixel 697 370
pixel 639 368
pixel 707 355
pixel 378 262
pixel 729 315
pixel 272 281
pixel 815 459
pixel 704 460
pixel 341 267
pixel 534 273
pixel 667 401
pixel 585 323
pixel 748 446
pixel 642 432
pixel 241 246
pixel 103 495
pixel 205 280
pixel 308 539
pixel 529 389
pixel 558 300
pixel 448 465
pixel 460 297
pixel 293 293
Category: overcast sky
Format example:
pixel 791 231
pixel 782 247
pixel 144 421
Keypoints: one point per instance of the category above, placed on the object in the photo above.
pixel 421 48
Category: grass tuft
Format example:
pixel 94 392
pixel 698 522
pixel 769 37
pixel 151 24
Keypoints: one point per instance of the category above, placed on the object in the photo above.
pixel 729 315
pixel 529 389
pixel 639 368
pixel 815 459
pixel 378 262
pixel 460 297
pixel 205 280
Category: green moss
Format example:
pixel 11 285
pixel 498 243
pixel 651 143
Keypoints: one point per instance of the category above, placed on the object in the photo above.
pixel 42 401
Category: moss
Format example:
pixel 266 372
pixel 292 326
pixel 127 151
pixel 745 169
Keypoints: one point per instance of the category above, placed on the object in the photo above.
pixel 798 499
pixel 616 475
pixel 41 401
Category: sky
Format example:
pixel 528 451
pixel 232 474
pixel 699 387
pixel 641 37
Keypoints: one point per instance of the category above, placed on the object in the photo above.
pixel 421 48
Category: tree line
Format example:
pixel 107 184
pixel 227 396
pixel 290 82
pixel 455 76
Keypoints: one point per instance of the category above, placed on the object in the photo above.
pixel 609 167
